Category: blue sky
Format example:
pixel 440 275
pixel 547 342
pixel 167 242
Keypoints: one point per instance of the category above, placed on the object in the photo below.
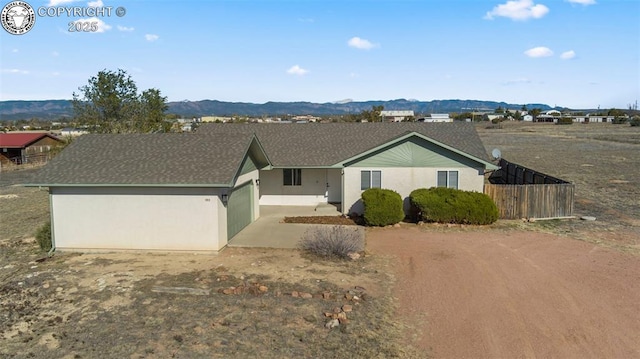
pixel 573 53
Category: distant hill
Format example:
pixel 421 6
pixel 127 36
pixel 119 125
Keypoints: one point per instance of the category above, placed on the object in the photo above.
pixel 55 109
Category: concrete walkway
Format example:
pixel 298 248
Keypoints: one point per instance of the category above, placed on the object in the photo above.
pixel 269 231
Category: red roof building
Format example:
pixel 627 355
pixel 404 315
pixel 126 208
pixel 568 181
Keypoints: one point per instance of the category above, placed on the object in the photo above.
pixel 26 147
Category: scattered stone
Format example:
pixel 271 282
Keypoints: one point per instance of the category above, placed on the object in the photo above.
pixel 180 290
pixel 588 218
pixel 328 314
pixel 59 289
pixel 354 255
pixel 348 296
pixel 306 295
pixel 347 308
pixel 397 225
pixel 326 295
pixel 332 324
pixel 343 321
pixel 45 286
pixel 263 288
pixel 295 294
pixel 342 315
pixel 337 310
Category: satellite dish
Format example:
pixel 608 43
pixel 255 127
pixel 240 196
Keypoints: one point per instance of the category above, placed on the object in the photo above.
pixel 496 153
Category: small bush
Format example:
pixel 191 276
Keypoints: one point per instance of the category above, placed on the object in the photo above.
pixel 332 241
pixel 619 120
pixel 565 121
pixel 635 121
pixel 382 207
pixel 43 236
pixel 448 205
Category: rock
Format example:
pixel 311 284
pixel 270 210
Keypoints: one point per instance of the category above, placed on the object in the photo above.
pixel 354 255
pixel 355 298
pixel 348 296
pixel 588 218
pixel 263 288
pixel 45 286
pixel 347 308
pixel 342 315
pixel 337 310
pixel 227 291
pixel 397 225
pixel 306 295
pixel 295 294
pixel 326 295
pixel 332 324
pixel 328 314
pixel 343 320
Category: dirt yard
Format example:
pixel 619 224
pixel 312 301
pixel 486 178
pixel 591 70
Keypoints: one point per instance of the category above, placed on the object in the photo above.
pixel 513 294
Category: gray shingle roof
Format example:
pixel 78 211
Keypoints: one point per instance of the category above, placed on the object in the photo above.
pixel 147 159
pixel 314 144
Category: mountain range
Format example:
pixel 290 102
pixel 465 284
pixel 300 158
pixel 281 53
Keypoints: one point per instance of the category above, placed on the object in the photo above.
pixel 56 109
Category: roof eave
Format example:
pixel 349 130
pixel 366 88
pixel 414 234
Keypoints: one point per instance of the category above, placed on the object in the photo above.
pixel 167 185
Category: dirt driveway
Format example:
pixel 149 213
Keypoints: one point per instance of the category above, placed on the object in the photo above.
pixel 508 294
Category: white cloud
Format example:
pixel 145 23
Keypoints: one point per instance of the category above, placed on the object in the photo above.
pixel 102 26
pixel 14 71
pixel 583 2
pixel 539 51
pixel 361 44
pixel 518 10
pixel 15 51
pixel 59 2
pixel 151 37
pixel 126 29
pixel 55 54
pixel 97 3
pixel 568 55
pixel 297 70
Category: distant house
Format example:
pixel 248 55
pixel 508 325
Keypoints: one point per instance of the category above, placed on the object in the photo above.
pixel 436 117
pixel 26 147
pixel 395 116
pixel 196 191
pixel 73 132
pixel 527 118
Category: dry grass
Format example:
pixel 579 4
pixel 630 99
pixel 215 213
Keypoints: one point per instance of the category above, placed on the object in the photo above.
pixel 603 162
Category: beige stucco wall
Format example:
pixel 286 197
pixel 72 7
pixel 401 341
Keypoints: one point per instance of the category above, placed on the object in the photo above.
pixel 404 180
pixel 126 218
pixel 312 191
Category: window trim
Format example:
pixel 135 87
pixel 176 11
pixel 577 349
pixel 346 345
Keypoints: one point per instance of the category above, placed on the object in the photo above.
pixel 448 179
pixel 370 179
pixel 294 176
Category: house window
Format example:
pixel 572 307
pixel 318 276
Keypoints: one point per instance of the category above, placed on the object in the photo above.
pixel 448 179
pixel 370 179
pixel 292 177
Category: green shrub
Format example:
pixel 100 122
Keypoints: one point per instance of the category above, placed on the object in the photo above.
pixel 332 241
pixel 565 121
pixel 635 121
pixel 382 207
pixel 43 236
pixel 619 120
pixel 448 205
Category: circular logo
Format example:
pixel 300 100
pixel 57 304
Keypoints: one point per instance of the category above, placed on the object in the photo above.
pixel 18 17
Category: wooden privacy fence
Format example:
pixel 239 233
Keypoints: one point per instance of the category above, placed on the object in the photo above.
pixel 532 200
pixel 520 192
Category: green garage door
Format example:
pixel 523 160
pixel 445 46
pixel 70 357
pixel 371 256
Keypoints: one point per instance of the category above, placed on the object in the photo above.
pixel 239 209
